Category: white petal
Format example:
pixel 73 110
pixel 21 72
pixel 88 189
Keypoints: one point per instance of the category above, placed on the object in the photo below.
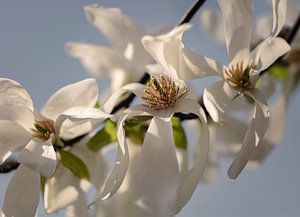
pixel 167 51
pixel 22 194
pixel 12 137
pixel 212 22
pixel 157 177
pixel 95 161
pixel 276 127
pixel 100 61
pixel 254 134
pixel 78 208
pixel 39 156
pixel 266 53
pixel 191 177
pixel 117 176
pixel 279 14
pixel 217 98
pixel 122 31
pixel 79 114
pixel 82 93
pixel 195 66
pixel 136 88
pixel 237 16
pixel 13 93
pixel 19 114
pixel 264 26
pixel 61 190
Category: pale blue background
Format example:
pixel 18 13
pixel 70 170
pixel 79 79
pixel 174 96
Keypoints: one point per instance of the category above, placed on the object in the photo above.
pixel 32 38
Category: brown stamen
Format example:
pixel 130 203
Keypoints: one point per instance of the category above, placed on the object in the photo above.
pixel 162 93
pixel 43 129
pixel 239 77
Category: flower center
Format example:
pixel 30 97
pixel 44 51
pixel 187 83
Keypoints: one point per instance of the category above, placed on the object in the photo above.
pixel 239 77
pixel 162 93
pixel 43 129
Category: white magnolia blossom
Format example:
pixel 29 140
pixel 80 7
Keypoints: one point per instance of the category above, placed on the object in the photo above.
pixel 125 61
pixel 64 190
pixel 34 134
pixel 239 77
pixel 160 189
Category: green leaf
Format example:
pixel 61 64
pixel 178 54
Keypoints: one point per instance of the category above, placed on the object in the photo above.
pixel 179 134
pixel 279 72
pixel 136 133
pixel 74 164
pixel 105 136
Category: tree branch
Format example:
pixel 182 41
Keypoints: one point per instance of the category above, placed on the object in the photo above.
pixel 293 32
pixel 191 12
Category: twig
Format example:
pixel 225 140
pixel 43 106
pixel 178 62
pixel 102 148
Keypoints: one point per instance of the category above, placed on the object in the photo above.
pixel 191 12
pixel 293 32
pixel 9 165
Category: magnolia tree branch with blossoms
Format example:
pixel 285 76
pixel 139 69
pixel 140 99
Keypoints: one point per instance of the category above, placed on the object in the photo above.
pixel 57 152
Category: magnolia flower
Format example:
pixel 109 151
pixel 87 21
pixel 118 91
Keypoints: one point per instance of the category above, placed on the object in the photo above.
pixel 160 189
pixel 240 76
pixel 64 190
pixel 125 61
pixel 22 127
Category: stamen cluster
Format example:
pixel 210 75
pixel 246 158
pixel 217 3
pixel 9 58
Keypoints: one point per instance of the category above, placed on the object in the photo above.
pixel 239 77
pixel 43 130
pixel 161 93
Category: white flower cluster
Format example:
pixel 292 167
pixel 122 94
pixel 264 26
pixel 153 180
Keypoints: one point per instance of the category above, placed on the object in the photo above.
pixel 61 149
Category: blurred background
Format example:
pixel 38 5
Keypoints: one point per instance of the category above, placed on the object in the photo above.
pixel 33 34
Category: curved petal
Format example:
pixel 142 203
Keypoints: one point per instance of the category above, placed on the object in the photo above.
pixel 117 176
pixel 136 88
pixel 237 15
pixel 39 156
pixel 61 190
pixel 279 14
pixel 212 22
pixel 100 61
pixel 167 51
pixel 22 194
pixel 82 93
pixel 13 93
pixel 122 31
pixel 268 51
pixel 79 114
pixel 264 26
pixel 18 114
pixel 253 136
pixel 157 177
pixel 196 66
pixel 12 137
pixel 217 98
pixel 191 177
